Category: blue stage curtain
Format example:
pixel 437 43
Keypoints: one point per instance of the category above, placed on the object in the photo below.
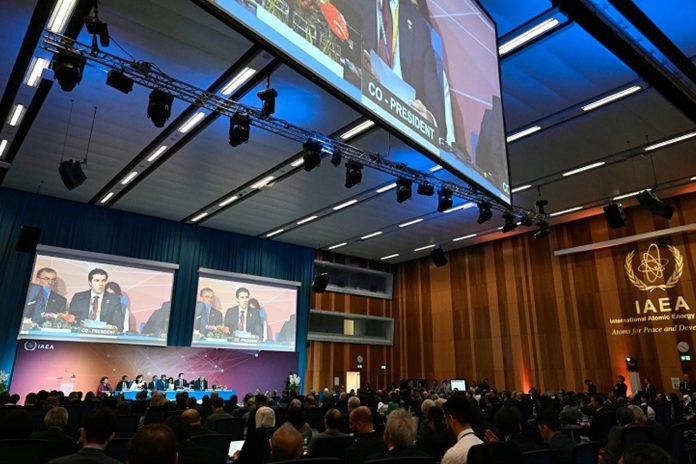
pixel 80 226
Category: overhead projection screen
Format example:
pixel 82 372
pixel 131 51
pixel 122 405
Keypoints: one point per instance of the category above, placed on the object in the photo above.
pixel 429 69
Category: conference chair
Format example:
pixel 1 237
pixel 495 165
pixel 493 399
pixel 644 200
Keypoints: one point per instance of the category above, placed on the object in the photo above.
pixel 332 447
pixel 75 414
pixel 219 443
pixel 634 435
pixel 542 456
pixel 586 453
pixel 404 460
pixel 126 426
pixel 495 452
pixel 232 426
pixel 38 421
pixel 168 414
pixel 154 415
pixel 315 419
pixel 118 449
pixel 24 450
pixel 676 439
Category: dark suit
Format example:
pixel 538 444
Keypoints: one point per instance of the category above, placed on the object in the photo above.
pixel 86 456
pixel 181 383
pixel 122 385
pixel 563 448
pixel 366 445
pixel 158 322
pixel 650 391
pixel 620 390
pixel 37 303
pixel 58 444
pixel 420 66
pixel 111 310
pixel 204 317
pixel 254 322
pixel 198 385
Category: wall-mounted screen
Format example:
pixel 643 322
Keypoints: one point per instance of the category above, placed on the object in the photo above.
pixel 429 69
pixel 245 312
pixel 90 297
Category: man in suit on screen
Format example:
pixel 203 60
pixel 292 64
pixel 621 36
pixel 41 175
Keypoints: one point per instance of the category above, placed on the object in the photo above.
pixel 244 317
pixel 41 298
pixel 206 315
pixel 95 304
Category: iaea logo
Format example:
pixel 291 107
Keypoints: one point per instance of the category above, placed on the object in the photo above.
pixel 653 266
pixel 31 345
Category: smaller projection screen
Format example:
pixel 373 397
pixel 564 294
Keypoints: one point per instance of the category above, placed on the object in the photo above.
pixel 90 297
pixel 245 312
pixel 428 69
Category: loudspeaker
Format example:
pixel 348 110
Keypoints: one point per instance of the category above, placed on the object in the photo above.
pixel 71 174
pixel 438 256
pixel 320 282
pixel 28 238
pixel 615 216
pixel 649 200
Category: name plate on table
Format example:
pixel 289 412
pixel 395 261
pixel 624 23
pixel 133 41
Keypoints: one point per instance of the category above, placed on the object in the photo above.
pixel 97 331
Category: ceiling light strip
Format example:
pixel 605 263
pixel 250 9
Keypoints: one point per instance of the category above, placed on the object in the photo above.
pixel 386 187
pixel 670 141
pixel 262 183
pixel 424 247
pixel 199 217
pixel 306 220
pixel 584 168
pixel 106 198
pixel 458 239
pixel 59 16
pixel 158 152
pixel 565 211
pixel 34 74
pixel 238 80
pixel 523 133
pixel 228 201
pixel 459 207
pixel 528 35
pixel 435 168
pixel 129 177
pixel 344 205
pixel 192 122
pixel 3 145
pixel 610 98
pixel 626 195
pixel 521 188
pixel 410 223
pixel 16 115
pixel 373 234
pixel 275 232
pixel 389 256
pixel 338 245
pixel 359 129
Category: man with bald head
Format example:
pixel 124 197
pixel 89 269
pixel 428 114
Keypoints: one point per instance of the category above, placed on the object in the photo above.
pixel 193 418
pixel 369 442
pixel 286 443
pixel 332 423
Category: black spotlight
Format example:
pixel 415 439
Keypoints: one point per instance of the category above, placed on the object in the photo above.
pixel 119 81
pixel 615 215
pixel 159 107
pixel 336 158
pixel 268 97
pixel 649 200
pixel 426 188
pixel 96 27
pixel 320 282
pixel 71 173
pixel 510 222
pixel 543 231
pixel 311 154
pixel 353 173
pixel 68 68
pixel 444 199
pixel 403 190
pixel 485 213
pixel 239 129
pixel 527 220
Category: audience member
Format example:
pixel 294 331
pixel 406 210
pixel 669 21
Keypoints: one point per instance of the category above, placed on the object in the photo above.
pixel 509 420
pixel 645 453
pixel 98 431
pixel 458 416
pixel 252 449
pixel 550 431
pixel 189 452
pixel 295 416
pixel 193 418
pixel 218 412
pixel 332 424
pixel 400 436
pixel 58 443
pixel 368 441
pixel 286 443
pixel 153 444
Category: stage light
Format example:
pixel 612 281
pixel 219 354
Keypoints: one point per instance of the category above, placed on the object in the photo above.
pixel 444 201
pixel 485 213
pixel 336 158
pixel 425 188
pixel 353 173
pixel 510 222
pixel 67 69
pixel 527 220
pixel 268 97
pixel 649 200
pixel 311 154
pixel 98 28
pixel 159 107
pixel 403 190
pixel 543 231
pixel 71 173
pixel 239 129
pixel 119 81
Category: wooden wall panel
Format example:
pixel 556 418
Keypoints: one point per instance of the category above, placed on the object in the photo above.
pixel 514 313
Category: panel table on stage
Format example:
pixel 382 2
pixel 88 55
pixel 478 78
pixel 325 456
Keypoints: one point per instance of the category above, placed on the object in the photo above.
pixel 171 394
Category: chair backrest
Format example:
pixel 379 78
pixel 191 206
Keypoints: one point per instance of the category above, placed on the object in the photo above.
pixel 38 421
pixel 678 411
pixel 315 419
pixel 279 415
pixel 218 442
pixel 676 437
pixel 24 450
pixel 177 412
pixel 586 453
pixel 332 447
pixel 126 426
pixel 232 426
pixel 662 414
pixel 75 414
pixel 118 449
pixel 404 460
pixel 542 456
pixel 495 452
pixel 154 414
pixel 634 435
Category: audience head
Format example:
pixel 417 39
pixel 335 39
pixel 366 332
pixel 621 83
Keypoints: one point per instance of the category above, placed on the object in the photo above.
pixel 181 428
pixel 624 416
pixel 333 419
pixel 401 429
pixel 286 443
pixel 645 453
pixel 153 444
pixel 360 420
pixel 56 417
pixel 436 420
pixel 353 402
pixel 31 399
pixel 638 415
pixel 192 417
pixel 100 427
pixel 458 413
pixel 509 420
pixel 265 417
pixel 217 403
pixel 16 424
pixel 191 402
pixel 426 405
pixel 295 416
pixel 158 399
pixel 549 425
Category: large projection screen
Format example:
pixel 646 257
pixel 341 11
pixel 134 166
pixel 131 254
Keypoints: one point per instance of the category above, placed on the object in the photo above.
pixel 429 69
pixel 245 312
pixel 89 297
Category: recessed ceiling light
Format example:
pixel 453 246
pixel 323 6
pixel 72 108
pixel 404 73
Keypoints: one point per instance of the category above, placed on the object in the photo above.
pixel 360 128
pixel 565 211
pixel 611 98
pixel 464 237
pixel 373 234
pixel 59 16
pixel 386 187
pixel 424 248
pixel 193 121
pixel 35 71
pixel 435 168
pixel 238 80
pixel 106 198
pixel 297 162
pixel 129 177
pixel 228 201
pixel 523 133
pixel 338 245
pixel 670 141
pixel 521 187
pixel 306 220
pixel 16 114
pixel 626 195
pixel 389 257
pixel 262 183
pixel 458 207
pixel 3 145
pixel 275 232
pixel 157 152
pixel 528 35
pixel 344 205
pixel 410 223
pixel 584 168
pixel 199 217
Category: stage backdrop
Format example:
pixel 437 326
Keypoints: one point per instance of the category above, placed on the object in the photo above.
pixel 69 366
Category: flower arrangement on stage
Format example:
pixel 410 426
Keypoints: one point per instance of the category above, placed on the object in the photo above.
pixel 3 381
pixel 58 320
pixel 217 331
pixel 293 382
